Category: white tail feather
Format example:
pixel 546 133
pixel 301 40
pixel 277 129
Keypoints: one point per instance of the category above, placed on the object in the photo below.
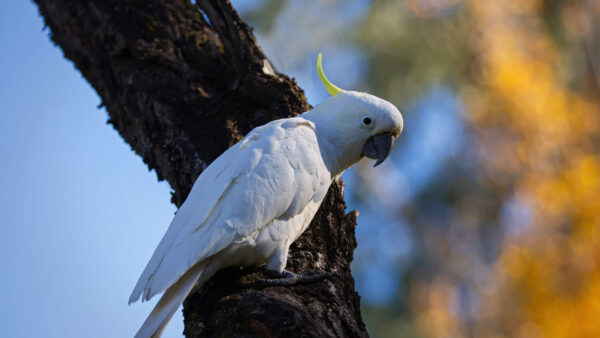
pixel 169 303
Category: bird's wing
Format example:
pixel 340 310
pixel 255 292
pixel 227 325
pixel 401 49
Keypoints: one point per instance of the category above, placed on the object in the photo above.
pixel 275 171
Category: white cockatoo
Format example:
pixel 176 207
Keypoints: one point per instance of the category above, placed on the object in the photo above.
pixel 254 200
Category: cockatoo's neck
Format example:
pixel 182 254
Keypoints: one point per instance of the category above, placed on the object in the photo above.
pixel 339 149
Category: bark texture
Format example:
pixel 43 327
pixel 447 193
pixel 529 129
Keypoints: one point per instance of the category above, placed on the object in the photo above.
pixel 181 83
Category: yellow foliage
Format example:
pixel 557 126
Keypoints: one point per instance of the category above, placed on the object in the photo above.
pixel 546 281
pixel 524 72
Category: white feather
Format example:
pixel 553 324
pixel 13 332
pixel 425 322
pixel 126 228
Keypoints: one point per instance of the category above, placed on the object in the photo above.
pixel 275 171
pixel 169 303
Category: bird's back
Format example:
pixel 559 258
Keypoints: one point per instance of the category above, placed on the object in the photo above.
pixel 272 174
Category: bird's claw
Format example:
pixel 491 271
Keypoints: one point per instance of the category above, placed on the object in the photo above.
pixel 288 278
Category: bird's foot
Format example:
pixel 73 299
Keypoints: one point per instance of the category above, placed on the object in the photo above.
pixel 288 278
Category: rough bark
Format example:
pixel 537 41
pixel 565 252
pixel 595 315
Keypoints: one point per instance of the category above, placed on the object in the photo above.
pixel 182 82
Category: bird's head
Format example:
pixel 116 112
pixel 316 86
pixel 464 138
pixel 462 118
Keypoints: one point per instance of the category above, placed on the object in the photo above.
pixel 354 125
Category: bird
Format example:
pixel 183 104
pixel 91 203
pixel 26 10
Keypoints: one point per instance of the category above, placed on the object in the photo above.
pixel 259 196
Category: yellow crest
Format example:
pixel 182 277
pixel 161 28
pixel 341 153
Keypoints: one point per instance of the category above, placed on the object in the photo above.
pixel 331 88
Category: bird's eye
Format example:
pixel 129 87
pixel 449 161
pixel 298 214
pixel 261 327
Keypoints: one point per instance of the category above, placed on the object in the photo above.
pixel 367 122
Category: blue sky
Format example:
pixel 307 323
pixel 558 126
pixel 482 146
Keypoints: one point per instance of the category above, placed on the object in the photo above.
pixel 79 212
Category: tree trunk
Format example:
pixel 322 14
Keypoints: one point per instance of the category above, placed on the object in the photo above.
pixel 181 83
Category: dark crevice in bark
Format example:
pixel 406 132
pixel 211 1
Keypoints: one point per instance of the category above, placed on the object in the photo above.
pixel 180 90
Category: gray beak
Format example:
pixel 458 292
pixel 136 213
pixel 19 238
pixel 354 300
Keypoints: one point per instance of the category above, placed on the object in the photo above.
pixel 378 147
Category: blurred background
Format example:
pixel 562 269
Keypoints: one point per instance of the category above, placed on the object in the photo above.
pixel 485 221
